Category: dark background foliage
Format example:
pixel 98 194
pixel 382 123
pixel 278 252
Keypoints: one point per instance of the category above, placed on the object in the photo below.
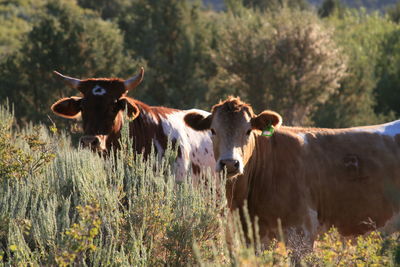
pixel 324 63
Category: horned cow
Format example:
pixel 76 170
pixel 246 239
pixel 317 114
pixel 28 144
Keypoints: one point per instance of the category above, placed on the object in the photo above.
pixel 101 107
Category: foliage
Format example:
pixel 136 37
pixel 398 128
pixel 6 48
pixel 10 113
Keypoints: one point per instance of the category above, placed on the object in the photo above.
pixel 79 238
pixel 146 219
pixel 276 4
pixel 286 61
pixel 331 7
pixel 16 19
pixel 393 12
pixel 193 56
pixel 68 39
pixel 362 37
pixel 81 209
pixel 15 163
pixel 174 39
pixel 369 250
pixel 106 8
pixel 387 88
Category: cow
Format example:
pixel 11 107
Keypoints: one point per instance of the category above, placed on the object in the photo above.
pixel 309 178
pixel 101 107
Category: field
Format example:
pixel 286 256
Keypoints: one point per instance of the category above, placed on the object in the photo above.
pixel 60 205
pixel 335 66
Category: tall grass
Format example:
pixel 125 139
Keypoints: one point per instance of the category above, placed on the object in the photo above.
pixel 61 205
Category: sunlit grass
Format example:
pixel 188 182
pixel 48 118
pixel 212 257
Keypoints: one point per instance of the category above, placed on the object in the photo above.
pixel 61 205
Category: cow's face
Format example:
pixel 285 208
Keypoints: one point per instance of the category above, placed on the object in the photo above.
pixel 101 108
pixel 232 124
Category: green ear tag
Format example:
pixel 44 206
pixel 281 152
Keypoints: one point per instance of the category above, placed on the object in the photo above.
pixel 269 130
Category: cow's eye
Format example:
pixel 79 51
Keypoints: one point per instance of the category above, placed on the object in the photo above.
pixel 213 132
pixel 248 132
pixel 119 105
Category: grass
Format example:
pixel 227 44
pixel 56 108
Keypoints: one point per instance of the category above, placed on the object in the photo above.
pixel 60 205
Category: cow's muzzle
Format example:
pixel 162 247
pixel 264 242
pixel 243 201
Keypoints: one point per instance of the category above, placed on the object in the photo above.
pixel 232 166
pixel 95 143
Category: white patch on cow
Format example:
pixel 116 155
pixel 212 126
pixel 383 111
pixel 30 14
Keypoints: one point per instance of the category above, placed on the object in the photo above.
pixel 389 129
pixel 192 143
pixel 303 137
pixel 98 90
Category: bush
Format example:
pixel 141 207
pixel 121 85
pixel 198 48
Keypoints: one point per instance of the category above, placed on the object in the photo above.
pixel 368 250
pixel 15 162
pixel 81 209
pixel 284 60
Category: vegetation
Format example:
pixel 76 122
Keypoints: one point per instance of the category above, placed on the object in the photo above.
pixel 59 205
pixel 79 209
pixel 336 68
pixel 285 61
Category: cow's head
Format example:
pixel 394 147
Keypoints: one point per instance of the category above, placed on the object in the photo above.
pixel 101 106
pixel 233 125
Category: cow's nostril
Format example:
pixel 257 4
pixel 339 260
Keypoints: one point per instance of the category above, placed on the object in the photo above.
pixel 236 164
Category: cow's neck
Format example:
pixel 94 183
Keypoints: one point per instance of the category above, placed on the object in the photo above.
pixel 146 130
pixel 276 171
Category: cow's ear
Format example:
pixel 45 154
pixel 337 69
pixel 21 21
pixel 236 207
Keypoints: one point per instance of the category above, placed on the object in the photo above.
pixel 133 109
pixel 69 107
pixel 265 119
pixel 197 121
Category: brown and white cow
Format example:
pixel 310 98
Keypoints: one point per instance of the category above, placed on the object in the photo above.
pixel 102 106
pixel 309 178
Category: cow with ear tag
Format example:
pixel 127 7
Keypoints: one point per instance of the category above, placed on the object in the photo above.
pixel 101 106
pixel 309 178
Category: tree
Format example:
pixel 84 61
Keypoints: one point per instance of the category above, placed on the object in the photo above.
pixel 70 40
pixel 388 86
pixel 330 7
pixel 16 18
pixel 394 12
pixel 108 9
pixel 276 4
pixel 361 37
pixel 285 61
pixel 174 39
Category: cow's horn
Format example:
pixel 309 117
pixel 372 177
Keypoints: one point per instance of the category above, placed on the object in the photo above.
pixel 134 81
pixel 74 83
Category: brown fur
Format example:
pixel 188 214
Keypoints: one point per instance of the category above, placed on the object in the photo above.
pixel 147 127
pixel 101 119
pixel 348 177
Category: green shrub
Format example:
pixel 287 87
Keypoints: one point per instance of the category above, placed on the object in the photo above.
pixel 284 60
pixel 80 209
pixel 15 162
pixel 369 250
